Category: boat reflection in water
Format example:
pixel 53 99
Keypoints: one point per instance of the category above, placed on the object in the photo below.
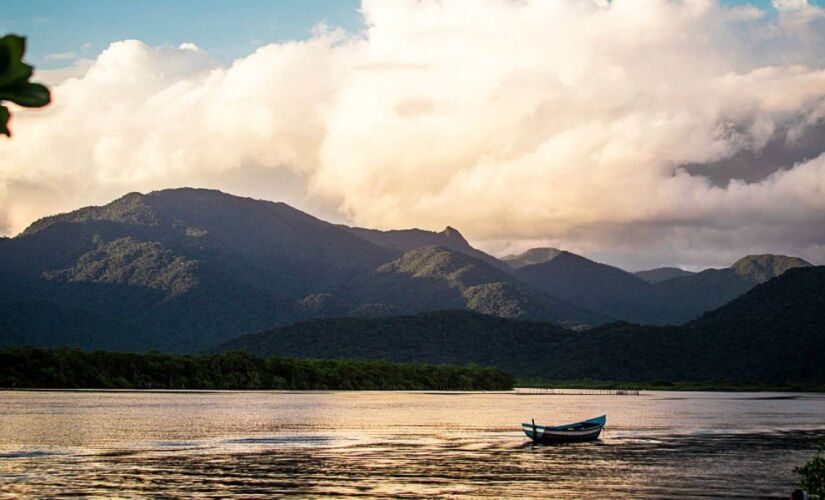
pixel 586 430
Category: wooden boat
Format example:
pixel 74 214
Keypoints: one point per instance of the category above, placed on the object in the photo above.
pixel 586 430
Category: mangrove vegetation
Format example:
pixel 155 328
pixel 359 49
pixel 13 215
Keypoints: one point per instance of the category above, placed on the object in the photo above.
pixel 68 368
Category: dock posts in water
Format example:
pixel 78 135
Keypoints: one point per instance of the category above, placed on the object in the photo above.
pixel 530 391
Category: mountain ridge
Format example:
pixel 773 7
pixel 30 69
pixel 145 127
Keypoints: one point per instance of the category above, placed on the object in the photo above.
pixel 188 268
pixel 626 296
pixel 774 334
pixel 405 240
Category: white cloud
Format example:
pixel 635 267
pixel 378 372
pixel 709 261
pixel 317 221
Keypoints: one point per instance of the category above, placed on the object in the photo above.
pixel 518 122
pixel 797 11
pixel 746 13
pixel 189 46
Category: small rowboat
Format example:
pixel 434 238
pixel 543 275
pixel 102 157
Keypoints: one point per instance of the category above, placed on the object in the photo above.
pixel 587 430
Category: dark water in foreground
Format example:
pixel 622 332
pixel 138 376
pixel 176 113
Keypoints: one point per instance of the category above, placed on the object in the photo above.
pixel 400 444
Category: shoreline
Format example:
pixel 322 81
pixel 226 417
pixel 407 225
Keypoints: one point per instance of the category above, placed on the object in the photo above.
pixel 667 386
pixel 644 389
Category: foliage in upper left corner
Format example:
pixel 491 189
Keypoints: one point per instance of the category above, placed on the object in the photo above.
pixel 14 80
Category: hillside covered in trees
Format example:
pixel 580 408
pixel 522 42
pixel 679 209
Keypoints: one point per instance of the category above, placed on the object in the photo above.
pixel 774 334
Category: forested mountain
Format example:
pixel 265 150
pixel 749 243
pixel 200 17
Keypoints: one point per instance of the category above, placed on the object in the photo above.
pixel 774 334
pixel 627 297
pixel 449 337
pixel 683 299
pixel 427 276
pixel 184 269
pixel 604 288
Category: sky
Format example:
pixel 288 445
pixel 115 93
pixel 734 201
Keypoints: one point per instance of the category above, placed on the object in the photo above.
pixel 636 132
pixel 61 31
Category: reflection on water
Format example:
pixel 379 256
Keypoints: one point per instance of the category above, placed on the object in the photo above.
pixel 400 444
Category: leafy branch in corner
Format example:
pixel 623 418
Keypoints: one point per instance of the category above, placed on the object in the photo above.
pixel 14 80
pixel 812 474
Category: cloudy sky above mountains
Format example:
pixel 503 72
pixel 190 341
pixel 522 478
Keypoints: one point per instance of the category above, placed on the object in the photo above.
pixel 637 132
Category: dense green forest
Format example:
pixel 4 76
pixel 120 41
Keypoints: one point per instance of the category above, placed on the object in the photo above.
pixel 440 337
pixel 774 335
pixel 75 369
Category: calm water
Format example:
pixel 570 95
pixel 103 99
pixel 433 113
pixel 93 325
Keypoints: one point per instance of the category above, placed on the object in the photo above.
pixel 400 444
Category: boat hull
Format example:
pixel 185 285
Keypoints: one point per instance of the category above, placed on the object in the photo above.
pixel 588 430
pixel 564 437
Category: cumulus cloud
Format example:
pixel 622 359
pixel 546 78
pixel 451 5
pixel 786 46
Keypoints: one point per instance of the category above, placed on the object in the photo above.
pixel 601 127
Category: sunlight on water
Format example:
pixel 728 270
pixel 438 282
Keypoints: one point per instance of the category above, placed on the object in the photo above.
pixel 400 444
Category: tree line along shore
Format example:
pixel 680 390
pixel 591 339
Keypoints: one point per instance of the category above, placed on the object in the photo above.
pixel 68 368
pixel 71 368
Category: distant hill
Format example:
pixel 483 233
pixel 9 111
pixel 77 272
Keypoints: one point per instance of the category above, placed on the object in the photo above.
pixel 532 256
pixel 622 295
pixel 761 268
pixel 432 278
pixel 774 334
pixel 662 274
pixel 447 337
pixel 593 285
pixel 686 298
pixel 183 269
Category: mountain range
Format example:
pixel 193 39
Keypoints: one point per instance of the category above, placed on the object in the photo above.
pixel 186 269
pixel 773 334
pixel 649 298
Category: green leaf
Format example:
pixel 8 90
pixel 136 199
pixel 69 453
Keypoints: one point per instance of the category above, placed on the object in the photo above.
pixel 12 68
pixel 14 80
pixel 30 95
pixel 4 121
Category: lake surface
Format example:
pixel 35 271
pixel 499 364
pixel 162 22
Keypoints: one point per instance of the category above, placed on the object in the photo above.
pixel 395 444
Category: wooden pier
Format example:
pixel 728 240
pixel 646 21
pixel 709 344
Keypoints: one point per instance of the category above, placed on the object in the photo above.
pixel 535 391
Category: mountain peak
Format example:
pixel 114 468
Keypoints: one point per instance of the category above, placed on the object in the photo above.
pixel 177 205
pixel 763 267
pixel 452 233
pixel 404 240
pixel 533 256
pixel 131 208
